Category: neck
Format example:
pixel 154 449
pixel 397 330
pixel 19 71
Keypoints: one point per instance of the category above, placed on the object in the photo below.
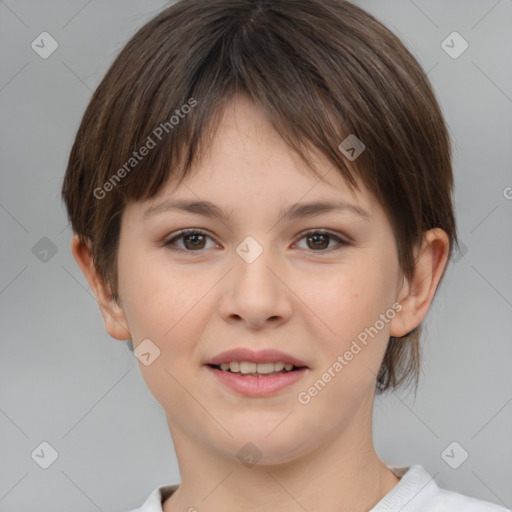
pixel 343 474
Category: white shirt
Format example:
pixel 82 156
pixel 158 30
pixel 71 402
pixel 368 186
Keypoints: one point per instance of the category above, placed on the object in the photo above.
pixel 416 491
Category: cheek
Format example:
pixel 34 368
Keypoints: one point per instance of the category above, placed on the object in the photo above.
pixel 161 307
pixel 345 300
pixel 166 307
pixel 349 303
pixel 153 296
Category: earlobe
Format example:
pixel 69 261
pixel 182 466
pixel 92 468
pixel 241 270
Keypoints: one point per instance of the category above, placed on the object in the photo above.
pixel 419 291
pixel 113 314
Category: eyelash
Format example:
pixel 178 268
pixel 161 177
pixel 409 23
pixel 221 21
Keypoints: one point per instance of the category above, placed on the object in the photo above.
pixel 342 243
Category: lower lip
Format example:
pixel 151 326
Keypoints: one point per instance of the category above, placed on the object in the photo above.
pixel 258 386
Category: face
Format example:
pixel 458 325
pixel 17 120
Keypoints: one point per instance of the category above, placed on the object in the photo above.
pixel 310 286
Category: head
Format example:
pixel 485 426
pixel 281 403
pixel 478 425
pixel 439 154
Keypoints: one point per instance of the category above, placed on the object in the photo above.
pixel 246 105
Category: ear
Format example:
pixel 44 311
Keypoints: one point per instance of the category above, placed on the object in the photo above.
pixel 113 314
pixel 416 294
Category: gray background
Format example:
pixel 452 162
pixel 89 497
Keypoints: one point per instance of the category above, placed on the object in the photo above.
pixel 63 380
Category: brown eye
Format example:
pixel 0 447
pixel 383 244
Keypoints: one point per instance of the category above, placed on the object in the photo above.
pixel 318 241
pixel 193 241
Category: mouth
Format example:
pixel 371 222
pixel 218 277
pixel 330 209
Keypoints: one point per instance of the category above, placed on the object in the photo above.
pixel 256 373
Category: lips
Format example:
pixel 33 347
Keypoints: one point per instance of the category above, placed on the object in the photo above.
pixel 260 384
pixel 251 356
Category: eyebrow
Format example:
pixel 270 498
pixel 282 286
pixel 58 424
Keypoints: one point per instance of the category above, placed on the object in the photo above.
pixel 295 211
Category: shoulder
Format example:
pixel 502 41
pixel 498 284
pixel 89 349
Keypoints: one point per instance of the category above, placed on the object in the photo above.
pixel 445 500
pixel 417 491
pixel 154 501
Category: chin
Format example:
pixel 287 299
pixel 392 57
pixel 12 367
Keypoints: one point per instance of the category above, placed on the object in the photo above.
pixel 257 446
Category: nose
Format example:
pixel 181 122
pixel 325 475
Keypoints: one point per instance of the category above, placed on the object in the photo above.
pixel 255 292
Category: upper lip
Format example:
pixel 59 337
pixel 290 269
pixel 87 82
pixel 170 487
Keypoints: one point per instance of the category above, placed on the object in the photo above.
pixel 251 356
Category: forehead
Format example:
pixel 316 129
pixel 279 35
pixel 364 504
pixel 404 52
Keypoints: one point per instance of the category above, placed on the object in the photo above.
pixel 247 165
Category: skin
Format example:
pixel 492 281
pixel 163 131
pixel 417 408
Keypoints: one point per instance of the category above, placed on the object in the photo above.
pixel 303 300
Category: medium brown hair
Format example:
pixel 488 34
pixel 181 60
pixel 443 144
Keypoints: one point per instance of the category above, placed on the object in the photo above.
pixel 319 70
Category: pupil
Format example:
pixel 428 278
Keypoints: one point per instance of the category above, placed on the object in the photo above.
pixel 194 244
pixel 315 237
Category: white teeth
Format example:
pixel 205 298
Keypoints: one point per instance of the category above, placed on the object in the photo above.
pixel 245 367
pixel 265 367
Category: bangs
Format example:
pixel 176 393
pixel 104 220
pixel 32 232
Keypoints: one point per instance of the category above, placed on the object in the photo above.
pixel 323 89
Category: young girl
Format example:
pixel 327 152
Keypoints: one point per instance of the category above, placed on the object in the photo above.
pixel 260 193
